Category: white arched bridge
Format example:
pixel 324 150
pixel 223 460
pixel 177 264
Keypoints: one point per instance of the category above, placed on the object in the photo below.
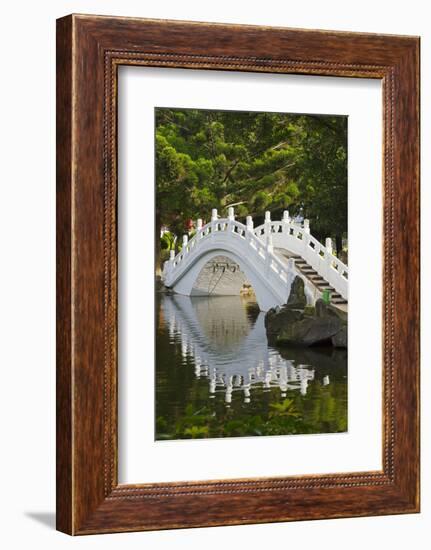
pixel 268 257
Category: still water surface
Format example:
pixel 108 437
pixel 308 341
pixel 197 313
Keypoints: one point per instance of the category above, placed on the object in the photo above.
pixel 216 375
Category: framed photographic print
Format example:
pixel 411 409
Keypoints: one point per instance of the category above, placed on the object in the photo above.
pixel 237 274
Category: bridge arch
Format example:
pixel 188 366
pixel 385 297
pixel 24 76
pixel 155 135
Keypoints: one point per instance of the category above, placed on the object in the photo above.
pixel 220 276
pixel 266 296
pixel 270 276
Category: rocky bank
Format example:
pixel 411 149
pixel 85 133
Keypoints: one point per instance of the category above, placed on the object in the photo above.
pixel 296 324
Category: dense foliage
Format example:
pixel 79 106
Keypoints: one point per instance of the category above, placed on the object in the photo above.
pixel 254 161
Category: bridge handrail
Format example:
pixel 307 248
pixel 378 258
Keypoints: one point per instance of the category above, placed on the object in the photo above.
pixel 295 237
pixel 263 250
pixel 310 244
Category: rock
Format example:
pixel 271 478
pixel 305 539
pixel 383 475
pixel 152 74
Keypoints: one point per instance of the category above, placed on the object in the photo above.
pixel 328 310
pixel 309 311
pixel 322 325
pixel 339 340
pixel 309 331
pixel 278 318
pixel 297 299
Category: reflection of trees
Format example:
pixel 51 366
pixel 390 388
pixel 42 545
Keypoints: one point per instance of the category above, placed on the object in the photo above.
pixel 210 386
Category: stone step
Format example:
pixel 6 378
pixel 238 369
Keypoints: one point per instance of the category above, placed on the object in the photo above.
pixel 318 280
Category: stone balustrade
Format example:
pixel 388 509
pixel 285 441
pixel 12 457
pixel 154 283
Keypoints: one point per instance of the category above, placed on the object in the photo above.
pixel 253 248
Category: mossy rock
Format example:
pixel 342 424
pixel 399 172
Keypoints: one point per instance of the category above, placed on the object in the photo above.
pixel 310 331
pixel 297 299
pixel 309 311
pixel 310 326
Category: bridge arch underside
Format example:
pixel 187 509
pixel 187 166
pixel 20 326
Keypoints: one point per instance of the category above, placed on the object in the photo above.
pixel 220 276
pixel 194 281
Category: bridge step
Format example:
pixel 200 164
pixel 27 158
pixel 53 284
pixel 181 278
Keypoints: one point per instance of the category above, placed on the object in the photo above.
pixel 318 280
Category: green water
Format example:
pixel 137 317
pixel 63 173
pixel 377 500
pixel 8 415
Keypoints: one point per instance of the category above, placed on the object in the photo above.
pixel 216 375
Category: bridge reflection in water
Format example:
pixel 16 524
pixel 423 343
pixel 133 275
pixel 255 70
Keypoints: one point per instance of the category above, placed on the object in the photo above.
pixel 216 375
pixel 229 348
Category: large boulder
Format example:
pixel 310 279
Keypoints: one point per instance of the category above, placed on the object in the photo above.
pixel 277 319
pixel 328 310
pixel 339 340
pixel 323 325
pixel 309 331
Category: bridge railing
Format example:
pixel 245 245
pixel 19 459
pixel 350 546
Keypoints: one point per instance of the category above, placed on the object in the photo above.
pixel 297 239
pixel 286 233
pixel 261 251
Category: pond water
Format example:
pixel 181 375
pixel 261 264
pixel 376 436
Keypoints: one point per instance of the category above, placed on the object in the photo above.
pixel 216 375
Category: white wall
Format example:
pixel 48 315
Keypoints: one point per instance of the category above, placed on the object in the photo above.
pixel 27 117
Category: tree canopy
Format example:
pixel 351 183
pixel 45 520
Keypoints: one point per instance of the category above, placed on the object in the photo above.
pixel 255 161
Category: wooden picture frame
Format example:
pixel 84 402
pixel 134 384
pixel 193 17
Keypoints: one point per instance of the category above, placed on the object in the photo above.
pixel 89 51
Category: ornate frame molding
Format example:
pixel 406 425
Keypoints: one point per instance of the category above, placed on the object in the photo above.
pixel 90 49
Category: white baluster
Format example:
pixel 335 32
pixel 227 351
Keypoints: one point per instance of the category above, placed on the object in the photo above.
pixel 230 213
pixel 286 218
pixel 249 223
pixel 269 244
pixel 199 224
pixel 214 219
pixel 329 257
pixel 185 241
pixel 267 222
pixel 171 255
pixel 328 272
pixel 305 238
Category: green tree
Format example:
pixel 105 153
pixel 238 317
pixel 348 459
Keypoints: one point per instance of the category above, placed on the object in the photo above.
pixel 254 161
